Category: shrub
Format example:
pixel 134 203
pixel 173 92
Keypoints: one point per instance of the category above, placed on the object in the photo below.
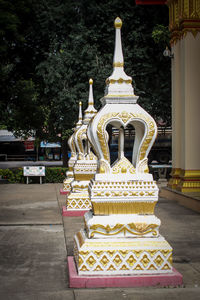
pixel 53 175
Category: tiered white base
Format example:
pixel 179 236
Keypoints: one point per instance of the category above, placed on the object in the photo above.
pixel 121 226
pixel 122 256
pixel 79 201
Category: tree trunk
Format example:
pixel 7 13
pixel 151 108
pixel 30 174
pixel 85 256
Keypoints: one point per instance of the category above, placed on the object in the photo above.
pixel 65 152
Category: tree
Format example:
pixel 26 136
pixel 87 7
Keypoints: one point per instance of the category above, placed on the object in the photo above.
pixel 66 43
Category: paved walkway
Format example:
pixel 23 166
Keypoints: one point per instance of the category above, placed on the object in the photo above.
pixel 35 241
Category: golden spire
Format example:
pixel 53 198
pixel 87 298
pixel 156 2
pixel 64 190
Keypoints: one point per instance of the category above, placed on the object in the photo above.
pixel 118 60
pixel 80 117
pixel 118 84
pixel 90 111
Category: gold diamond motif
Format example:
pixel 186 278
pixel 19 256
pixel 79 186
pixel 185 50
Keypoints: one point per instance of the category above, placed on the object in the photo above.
pixel 98 268
pixel 131 260
pixel 152 267
pixel 73 203
pixel 170 259
pixel 152 252
pixel 123 252
pixel 158 261
pixel 84 253
pixel 80 261
pixel 104 260
pixel 111 252
pixel 80 203
pixel 145 260
pixel 166 267
pixel 124 267
pixel 111 268
pixel 91 261
pixel 98 253
pixel 165 252
pixel 138 267
pixel 84 268
pixel 138 252
pixel 117 260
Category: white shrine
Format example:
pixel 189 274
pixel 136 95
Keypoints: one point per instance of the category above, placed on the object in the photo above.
pixel 86 164
pixel 121 234
pixel 73 158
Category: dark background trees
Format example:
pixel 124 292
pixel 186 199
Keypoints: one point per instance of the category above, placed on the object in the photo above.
pixel 49 50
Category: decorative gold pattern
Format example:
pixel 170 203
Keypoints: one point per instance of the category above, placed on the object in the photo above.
pixel 118 64
pixel 175 178
pixel 110 208
pixel 129 260
pixel 140 229
pixel 123 166
pixel 184 17
pixel 83 177
pixel 189 181
pixel 119 81
pixel 78 201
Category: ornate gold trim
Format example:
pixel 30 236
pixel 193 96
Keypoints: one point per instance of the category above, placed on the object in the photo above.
pixel 119 81
pixel 175 179
pixel 123 166
pixel 118 64
pixel 83 177
pixel 184 17
pixel 189 181
pixel 139 229
pixel 110 208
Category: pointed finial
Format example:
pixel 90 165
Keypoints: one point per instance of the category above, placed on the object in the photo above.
pixel 118 23
pixel 80 118
pixel 118 84
pixel 91 98
pixel 118 60
pixel 90 111
pixel 80 111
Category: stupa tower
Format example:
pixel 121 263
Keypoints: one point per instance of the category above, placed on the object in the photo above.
pixel 121 234
pixel 86 163
pixel 73 158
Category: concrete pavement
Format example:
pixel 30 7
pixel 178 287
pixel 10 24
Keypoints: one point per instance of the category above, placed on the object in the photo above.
pixel 35 241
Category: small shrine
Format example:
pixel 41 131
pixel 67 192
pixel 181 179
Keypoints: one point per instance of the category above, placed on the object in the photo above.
pixel 86 163
pixel 121 234
pixel 71 162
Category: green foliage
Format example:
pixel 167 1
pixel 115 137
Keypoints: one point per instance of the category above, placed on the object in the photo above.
pixel 161 34
pixel 50 49
pixel 53 175
pixel 13 176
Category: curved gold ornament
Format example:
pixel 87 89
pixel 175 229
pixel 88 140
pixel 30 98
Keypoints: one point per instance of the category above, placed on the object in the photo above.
pixel 80 137
pixel 125 117
pixel 139 229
